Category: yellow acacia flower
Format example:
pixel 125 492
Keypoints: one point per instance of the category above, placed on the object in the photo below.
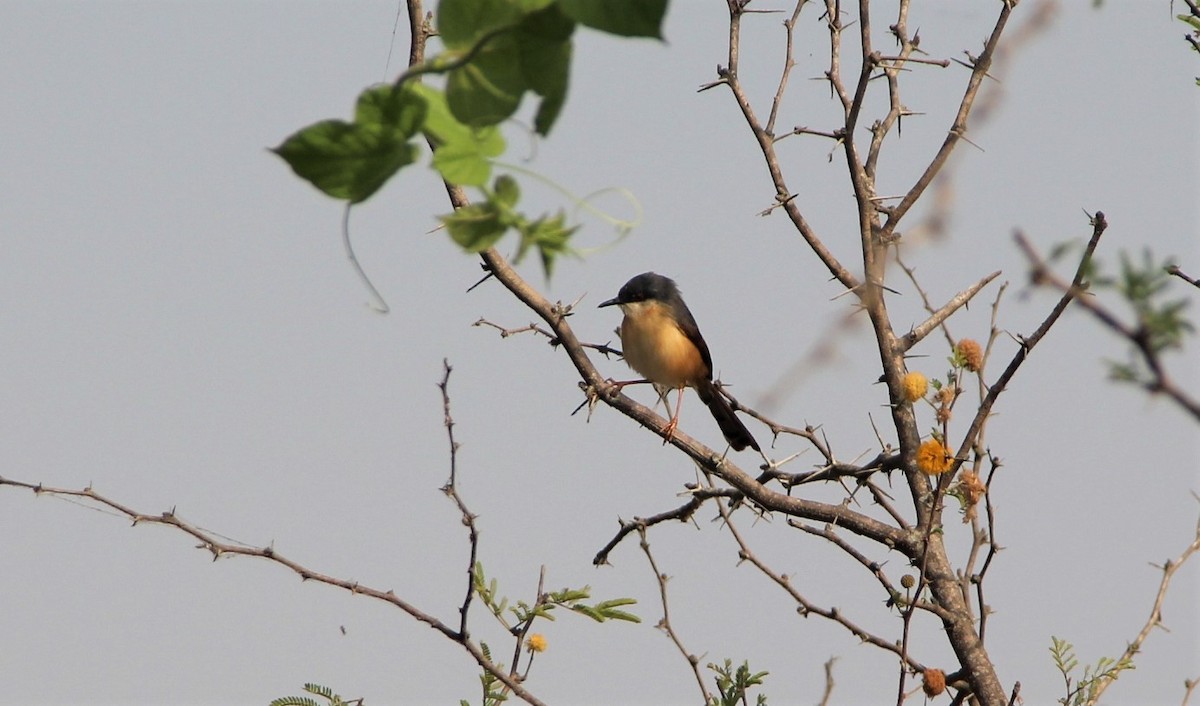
pixel 933 458
pixel 933 681
pixel 915 386
pixel 945 401
pixel 536 642
pixel 971 353
pixel 972 487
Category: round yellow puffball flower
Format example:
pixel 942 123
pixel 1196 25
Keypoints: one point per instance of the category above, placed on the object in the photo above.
pixel 971 354
pixel 933 682
pixel 933 459
pixel 915 386
pixel 536 642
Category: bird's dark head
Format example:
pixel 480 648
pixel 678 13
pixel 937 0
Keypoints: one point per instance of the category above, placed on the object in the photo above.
pixel 648 286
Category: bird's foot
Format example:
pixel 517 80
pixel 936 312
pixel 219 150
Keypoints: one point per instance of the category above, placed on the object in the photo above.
pixel 669 432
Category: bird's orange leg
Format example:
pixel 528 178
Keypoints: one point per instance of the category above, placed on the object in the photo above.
pixel 669 432
pixel 620 384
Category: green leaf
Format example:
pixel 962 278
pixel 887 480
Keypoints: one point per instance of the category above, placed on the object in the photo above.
pixel 479 226
pixel 462 163
pixel 549 23
pixel 463 154
pixel 319 690
pixel 443 128
pixel 461 23
pixel 612 614
pixel 294 701
pixel 549 236
pixel 568 595
pixel 476 227
pixel 514 46
pixel 352 160
pixel 507 191
pixel 629 18
pixel 346 160
pixel 588 611
pixel 545 41
pixel 401 109
pixel 488 89
pixel 615 602
pixel 547 67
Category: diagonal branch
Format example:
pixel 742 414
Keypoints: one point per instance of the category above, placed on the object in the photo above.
pixel 807 607
pixel 922 330
pixel 1155 619
pixel 1099 224
pixel 1162 381
pixel 1176 272
pixel 766 144
pixel 665 623
pixel 789 63
pixel 959 127
pixel 220 548
pixel 683 513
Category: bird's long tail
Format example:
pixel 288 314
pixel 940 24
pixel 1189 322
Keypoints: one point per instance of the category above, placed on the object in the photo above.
pixel 736 433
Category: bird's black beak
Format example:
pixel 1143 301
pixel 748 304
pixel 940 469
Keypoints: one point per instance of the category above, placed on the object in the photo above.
pixel 610 302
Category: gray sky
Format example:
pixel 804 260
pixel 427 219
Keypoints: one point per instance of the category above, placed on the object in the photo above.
pixel 181 330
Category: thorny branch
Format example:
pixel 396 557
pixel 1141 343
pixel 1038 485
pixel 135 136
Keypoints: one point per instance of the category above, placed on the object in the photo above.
pixel 948 591
pixel 1174 271
pixel 920 543
pixel 829 683
pixel 1155 619
pixel 221 548
pixel 451 491
pixel 938 317
pixel 1075 290
pixel 602 348
pixel 805 606
pixel 1189 684
pixel 683 513
pixel 979 70
pixel 1099 224
pixel 665 623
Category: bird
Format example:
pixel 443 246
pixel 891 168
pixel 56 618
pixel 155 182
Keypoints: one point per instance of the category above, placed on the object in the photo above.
pixel 660 341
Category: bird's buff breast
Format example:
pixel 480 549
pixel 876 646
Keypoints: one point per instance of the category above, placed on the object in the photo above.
pixel 655 347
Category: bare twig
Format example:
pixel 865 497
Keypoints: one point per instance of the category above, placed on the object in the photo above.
pixel 958 128
pixel 806 607
pixel 789 62
pixel 1162 382
pixel 220 548
pixel 956 302
pixel 451 490
pixel 1189 685
pixel 766 144
pixel 683 513
pixel 665 624
pixel 993 549
pixel 911 274
pixel 1099 224
pixel 1175 271
pixel 1154 621
pixel 1016 694
pixel 602 348
pixel 875 568
pixel 828 682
